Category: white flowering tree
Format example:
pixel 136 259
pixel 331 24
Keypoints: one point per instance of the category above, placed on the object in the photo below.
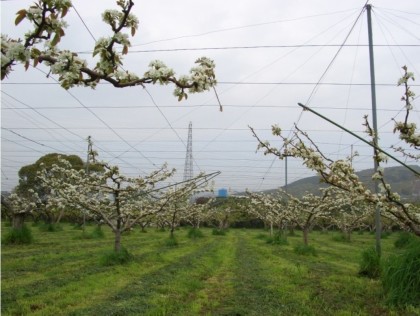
pixel 306 211
pixel 341 174
pixel 180 207
pixel 119 201
pixel 196 213
pixel 269 208
pixel 41 45
pixel 19 206
pixel 349 212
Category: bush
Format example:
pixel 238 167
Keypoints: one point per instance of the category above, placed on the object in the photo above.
pixel 171 242
pixel 404 239
pixel 49 227
pixel 98 233
pixel 279 238
pixel 340 238
pixel 112 257
pixel 370 264
pixel 261 236
pixel 194 233
pixel 401 277
pixel 218 232
pixel 18 236
pixel 385 234
pixel 302 249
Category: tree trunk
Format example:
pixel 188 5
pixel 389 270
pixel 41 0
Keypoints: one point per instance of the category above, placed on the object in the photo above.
pixel 305 235
pixel 18 220
pixel 117 243
pixel 60 215
pixel 271 229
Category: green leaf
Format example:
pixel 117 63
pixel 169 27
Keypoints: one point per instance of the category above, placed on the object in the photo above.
pixel 133 31
pixel 64 12
pixel 20 16
pixel 125 50
pixel 56 39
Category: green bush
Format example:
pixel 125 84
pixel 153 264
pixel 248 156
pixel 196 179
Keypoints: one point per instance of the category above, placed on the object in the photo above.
pixel 49 227
pixel 279 238
pixel 404 239
pixel 194 233
pixel 218 232
pixel 401 277
pixel 98 233
pixel 18 236
pixel 370 263
pixel 171 242
pixel 302 249
pixel 261 236
pixel 111 258
pixel 340 238
pixel 385 234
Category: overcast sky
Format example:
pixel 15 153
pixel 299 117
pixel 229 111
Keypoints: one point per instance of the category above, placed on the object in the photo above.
pixel 269 56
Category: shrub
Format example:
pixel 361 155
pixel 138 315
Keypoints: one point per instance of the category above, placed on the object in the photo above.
pixel 49 227
pixel 302 249
pixel 112 257
pixel 261 236
pixel 401 277
pixel 218 232
pixel 385 234
pixel 194 233
pixel 340 238
pixel 171 242
pixel 279 238
pixel 18 236
pixel 403 240
pixel 370 263
pixel 98 233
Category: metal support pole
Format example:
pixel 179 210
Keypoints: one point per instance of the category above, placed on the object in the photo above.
pixel 374 123
pixel 285 187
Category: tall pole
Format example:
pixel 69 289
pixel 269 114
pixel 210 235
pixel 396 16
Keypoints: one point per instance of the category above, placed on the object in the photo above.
pixel 375 124
pixel 285 187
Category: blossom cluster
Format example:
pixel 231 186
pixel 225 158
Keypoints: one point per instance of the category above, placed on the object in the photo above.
pixel 47 16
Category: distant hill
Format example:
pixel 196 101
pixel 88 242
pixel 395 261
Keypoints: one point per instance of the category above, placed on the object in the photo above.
pixel 402 181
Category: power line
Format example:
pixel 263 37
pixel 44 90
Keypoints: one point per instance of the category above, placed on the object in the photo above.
pixel 254 47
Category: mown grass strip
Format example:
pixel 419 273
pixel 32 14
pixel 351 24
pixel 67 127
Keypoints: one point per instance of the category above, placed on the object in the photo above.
pixel 165 291
pixel 69 285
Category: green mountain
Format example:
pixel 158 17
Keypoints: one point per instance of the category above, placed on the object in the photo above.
pixel 401 179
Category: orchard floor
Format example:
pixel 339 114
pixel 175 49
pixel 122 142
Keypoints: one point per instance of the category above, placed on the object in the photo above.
pixel 235 274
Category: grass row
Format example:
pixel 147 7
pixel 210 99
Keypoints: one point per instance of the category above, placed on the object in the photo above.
pixel 234 274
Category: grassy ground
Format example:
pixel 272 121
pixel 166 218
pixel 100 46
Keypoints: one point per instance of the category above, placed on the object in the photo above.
pixel 235 274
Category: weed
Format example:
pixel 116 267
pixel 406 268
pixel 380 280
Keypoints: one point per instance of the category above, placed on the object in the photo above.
pixel 19 236
pixel 218 232
pixel 194 233
pixel 302 249
pixel 403 240
pixel 370 263
pixel 98 233
pixel 385 234
pixel 171 242
pixel 48 227
pixel 279 238
pixel 340 238
pixel 261 236
pixel 401 277
pixel 111 258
